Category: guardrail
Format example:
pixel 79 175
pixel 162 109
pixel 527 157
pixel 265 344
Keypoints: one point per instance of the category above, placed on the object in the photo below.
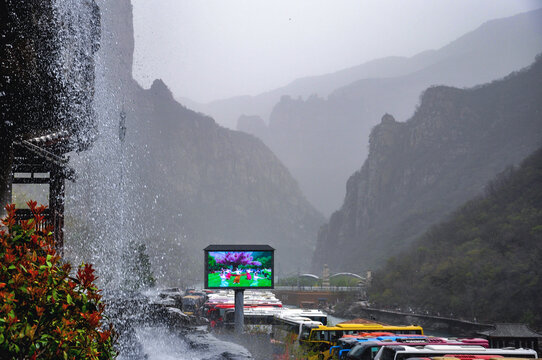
pixel 320 288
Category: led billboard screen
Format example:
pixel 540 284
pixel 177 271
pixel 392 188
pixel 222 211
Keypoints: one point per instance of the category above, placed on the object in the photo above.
pixel 235 266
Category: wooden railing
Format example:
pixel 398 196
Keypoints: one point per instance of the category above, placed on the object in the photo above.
pixel 26 214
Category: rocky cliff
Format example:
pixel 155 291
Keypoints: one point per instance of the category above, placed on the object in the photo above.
pixel 417 172
pixel 205 184
pixel 324 137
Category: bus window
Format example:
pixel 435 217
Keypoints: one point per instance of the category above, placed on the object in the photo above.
pixel 318 335
pixel 408 332
pixel 368 353
pixel 356 351
pixel 230 317
pixel 334 335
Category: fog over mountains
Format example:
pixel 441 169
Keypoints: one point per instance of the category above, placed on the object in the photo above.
pixel 323 135
pixel 495 36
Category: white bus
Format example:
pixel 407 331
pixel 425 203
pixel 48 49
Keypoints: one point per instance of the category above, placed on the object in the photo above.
pixel 261 319
pixel 290 327
pixel 256 320
pixel 313 314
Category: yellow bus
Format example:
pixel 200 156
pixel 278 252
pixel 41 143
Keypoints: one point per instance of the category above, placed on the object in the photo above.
pixel 319 339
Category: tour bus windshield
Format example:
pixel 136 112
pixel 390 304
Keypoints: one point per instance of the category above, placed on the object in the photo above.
pixel 366 351
pixel 292 325
pixel 306 331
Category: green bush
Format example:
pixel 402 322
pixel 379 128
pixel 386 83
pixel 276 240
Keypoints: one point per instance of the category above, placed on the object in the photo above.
pixel 44 312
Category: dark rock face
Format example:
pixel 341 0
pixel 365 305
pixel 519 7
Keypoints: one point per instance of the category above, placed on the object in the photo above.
pixel 419 171
pixel 118 39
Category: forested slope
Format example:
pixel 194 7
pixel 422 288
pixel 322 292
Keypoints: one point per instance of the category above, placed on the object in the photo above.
pixel 483 263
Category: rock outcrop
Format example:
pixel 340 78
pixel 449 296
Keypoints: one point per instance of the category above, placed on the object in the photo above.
pixel 419 171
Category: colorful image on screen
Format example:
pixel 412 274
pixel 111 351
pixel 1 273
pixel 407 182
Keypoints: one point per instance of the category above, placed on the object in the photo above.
pixel 230 269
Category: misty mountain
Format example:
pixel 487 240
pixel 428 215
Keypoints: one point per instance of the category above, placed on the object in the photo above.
pixel 481 260
pixel 215 186
pixel 227 111
pixel 190 182
pixel 418 171
pixel 325 138
pixel 518 34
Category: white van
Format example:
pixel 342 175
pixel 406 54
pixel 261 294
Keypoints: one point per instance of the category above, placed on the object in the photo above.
pixel 403 352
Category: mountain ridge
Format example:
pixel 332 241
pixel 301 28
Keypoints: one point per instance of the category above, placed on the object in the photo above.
pixel 331 133
pixel 389 66
pixel 418 171
pixel 227 185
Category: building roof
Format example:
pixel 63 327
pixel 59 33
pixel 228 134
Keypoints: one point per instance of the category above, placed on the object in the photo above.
pixel 511 330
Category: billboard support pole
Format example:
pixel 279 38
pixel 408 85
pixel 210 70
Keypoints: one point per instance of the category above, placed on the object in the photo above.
pixel 239 310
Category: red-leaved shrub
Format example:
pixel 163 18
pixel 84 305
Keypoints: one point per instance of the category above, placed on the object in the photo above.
pixel 45 313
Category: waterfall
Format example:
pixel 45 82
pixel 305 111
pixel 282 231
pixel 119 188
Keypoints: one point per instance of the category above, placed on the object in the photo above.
pixel 104 204
pixel 99 221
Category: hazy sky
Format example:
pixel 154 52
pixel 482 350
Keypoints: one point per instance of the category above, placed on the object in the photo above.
pixel 211 49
